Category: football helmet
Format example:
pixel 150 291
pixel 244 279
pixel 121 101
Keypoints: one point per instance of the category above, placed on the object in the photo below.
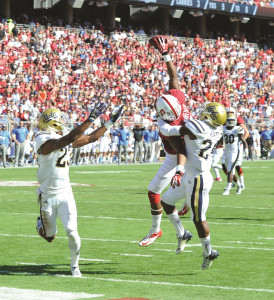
pixel 52 119
pixel 231 120
pixel 213 113
pixel 168 108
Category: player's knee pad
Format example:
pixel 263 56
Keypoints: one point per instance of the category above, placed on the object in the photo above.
pixel 154 198
pixel 74 240
pixel 239 170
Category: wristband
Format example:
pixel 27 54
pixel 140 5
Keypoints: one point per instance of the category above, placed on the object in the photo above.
pixel 166 57
pixel 180 168
pixel 109 124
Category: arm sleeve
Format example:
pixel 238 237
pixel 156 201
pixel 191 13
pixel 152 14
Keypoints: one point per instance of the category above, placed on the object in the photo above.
pixel 168 130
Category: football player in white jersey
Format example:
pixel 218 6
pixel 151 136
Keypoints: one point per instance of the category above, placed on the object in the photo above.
pixel 256 141
pixel 201 137
pixel 55 193
pixel 232 136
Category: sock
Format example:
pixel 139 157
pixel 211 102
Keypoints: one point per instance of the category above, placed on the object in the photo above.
pixel 156 222
pixel 206 245
pixel 74 246
pixel 175 220
pixel 217 173
pixel 229 185
pixel 241 179
pixel 239 183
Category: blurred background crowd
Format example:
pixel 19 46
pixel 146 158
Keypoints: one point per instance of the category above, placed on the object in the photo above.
pixel 74 68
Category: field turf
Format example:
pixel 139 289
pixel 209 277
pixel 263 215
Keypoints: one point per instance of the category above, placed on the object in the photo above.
pixel 113 215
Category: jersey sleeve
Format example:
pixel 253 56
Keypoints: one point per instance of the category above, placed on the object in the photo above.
pixel 240 120
pixel 178 94
pixel 240 130
pixel 197 127
pixel 168 130
pixel 41 138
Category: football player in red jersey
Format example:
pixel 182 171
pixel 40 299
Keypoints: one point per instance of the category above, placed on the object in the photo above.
pixel 171 108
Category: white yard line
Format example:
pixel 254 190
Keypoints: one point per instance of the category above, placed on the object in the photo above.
pixel 15 294
pixel 265 238
pixel 136 219
pixel 130 254
pixel 136 242
pixel 185 285
pixel 229 288
pixel 240 242
pixel 93 259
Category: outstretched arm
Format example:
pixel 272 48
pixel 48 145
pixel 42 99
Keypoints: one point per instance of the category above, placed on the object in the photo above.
pixel 161 43
pixel 96 134
pixel 75 134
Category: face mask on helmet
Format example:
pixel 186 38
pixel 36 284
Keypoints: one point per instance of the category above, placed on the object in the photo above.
pixel 168 108
pixel 231 120
pixel 213 113
pixel 53 120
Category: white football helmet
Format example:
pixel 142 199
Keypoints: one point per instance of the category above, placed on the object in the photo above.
pixel 168 108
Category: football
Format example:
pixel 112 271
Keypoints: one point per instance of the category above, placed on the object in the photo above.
pixel 168 40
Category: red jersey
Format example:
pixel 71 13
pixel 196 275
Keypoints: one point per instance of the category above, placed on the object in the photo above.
pixel 240 120
pixel 185 115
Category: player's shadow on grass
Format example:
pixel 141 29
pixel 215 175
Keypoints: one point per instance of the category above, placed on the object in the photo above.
pixel 86 269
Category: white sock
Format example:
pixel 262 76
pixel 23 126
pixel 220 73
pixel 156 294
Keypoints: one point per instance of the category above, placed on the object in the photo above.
pixel 156 222
pixel 175 220
pixel 206 245
pixel 229 186
pixel 238 183
pixel 74 246
pixel 241 179
pixel 217 173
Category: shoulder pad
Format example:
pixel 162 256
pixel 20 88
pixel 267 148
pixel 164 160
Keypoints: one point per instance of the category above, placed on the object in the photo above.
pixel 196 126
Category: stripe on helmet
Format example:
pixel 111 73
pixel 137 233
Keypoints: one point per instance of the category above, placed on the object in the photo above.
pixel 175 113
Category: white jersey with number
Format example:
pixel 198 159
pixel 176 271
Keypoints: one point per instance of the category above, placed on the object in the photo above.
pixel 53 172
pixel 231 138
pixel 199 151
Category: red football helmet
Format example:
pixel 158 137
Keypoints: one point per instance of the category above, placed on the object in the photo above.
pixel 168 108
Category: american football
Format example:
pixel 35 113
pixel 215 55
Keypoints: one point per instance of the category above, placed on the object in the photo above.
pixel 152 42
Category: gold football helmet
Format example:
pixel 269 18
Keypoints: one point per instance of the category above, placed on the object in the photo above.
pixel 52 119
pixel 231 120
pixel 214 114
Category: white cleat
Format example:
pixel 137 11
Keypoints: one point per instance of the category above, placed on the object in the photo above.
pixel 226 192
pixel 239 191
pixel 75 272
pixel 150 238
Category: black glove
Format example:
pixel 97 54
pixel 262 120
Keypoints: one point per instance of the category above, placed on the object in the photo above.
pixel 98 110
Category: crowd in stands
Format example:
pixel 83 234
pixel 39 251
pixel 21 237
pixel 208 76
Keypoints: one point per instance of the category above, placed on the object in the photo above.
pixel 72 69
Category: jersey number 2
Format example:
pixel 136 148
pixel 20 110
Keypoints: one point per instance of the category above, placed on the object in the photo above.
pixel 204 152
pixel 61 162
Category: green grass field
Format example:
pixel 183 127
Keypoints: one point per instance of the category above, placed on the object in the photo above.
pixel 113 215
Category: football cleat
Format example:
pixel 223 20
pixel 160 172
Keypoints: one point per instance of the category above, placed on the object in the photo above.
pixel 208 260
pixel 226 192
pixel 242 187
pixel 150 238
pixel 38 224
pixel 182 240
pixel 184 210
pixel 218 179
pixel 75 272
pixel 239 190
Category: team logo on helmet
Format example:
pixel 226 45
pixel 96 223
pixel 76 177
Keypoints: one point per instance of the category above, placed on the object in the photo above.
pixel 213 111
